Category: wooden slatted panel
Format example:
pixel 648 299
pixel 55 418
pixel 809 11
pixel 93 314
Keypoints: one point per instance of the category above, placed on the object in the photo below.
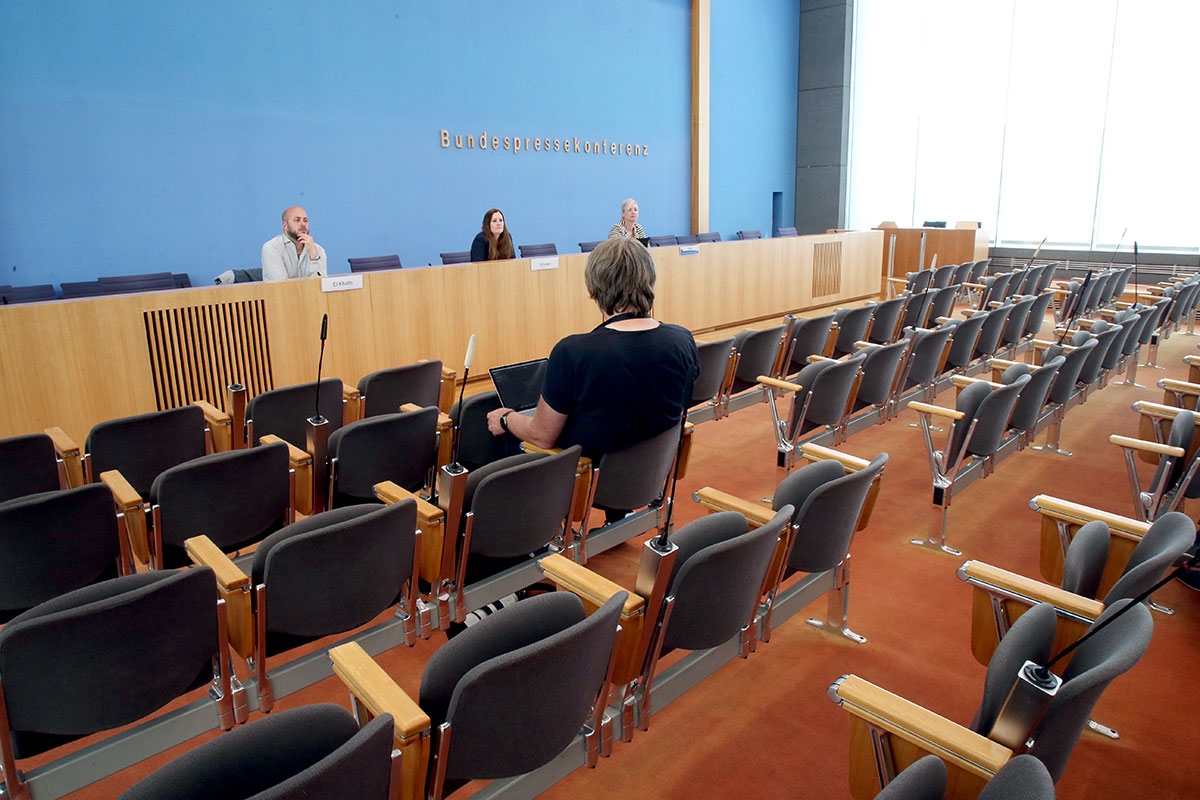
pixel 827 269
pixel 197 351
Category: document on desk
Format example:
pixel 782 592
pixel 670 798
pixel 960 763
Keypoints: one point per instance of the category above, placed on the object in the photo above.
pixel 545 262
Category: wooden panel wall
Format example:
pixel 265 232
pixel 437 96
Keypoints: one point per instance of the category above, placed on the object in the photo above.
pixel 74 363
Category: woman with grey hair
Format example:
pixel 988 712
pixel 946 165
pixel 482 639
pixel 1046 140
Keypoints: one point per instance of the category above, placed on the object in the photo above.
pixel 627 227
pixel 625 381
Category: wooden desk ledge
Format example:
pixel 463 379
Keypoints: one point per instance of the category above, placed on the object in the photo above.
pixel 1182 387
pixel 1036 591
pixel 1145 446
pixel 757 514
pixel 815 452
pixel 937 411
pixel 202 551
pixel 296 456
pixel 1001 364
pixel 391 493
pixel 1158 410
pixel 959 745
pixel 377 692
pixel 581 581
pixel 775 383
pixel 1068 511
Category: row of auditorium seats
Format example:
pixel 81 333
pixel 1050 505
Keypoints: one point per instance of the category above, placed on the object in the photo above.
pixel 116 284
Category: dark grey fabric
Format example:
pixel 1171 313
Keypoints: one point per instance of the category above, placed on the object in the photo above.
pixel 1163 544
pixel 924 779
pixel 1170 469
pixel 923 364
pixel 637 476
pixel 521 507
pixel 387 389
pixel 853 324
pixel 234 498
pixel 373 263
pixel 1014 327
pixel 107 655
pixel 827 514
pixel 749 234
pixel 916 313
pixel 809 337
pixel 714 363
pixel 828 395
pixel 517 686
pixel 1068 374
pixel 1022 778
pixel 919 281
pixel 942 275
pixel 941 302
pixel 476 445
pixel 1106 338
pixel 285 412
pixel 307 752
pixel 992 416
pixel 1037 314
pixel 968 403
pixel 1035 394
pixel 880 368
pixel 401 448
pixel 886 316
pixel 1031 638
pixel 717 577
pixel 27 294
pixel 537 250
pixel 54 542
pixel 144 446
pixel 991 331
pixel 28 465
pixel 963 336
pixel 328 578
pixel 757 350
pixel 1083 564
pixel 995 289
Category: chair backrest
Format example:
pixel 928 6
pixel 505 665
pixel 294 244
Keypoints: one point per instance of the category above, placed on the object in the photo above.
pixel 27 294
pixel 662 241
pixel 235 498
pixel 886 318
pixel 942 276
pixel 1014 327
pixel 995 289
pixel 75 289
pixel 963 338
pixel 1170 536
pixel 809 336
pixel 786 232
pixel 993 328
pixel 718 576
pixel 828 503
pixel 1046 278
pixel 687 238
pixel 880 369
pixel 919 281
pixel 1068 374
pixel 991 417
pixel 713 236
pixel 1106 337
pixel 519 504
pixel 476 444
pixel 749 234
pixel 456 257
pixel 978 270
pixel 127 284
pixel 916 313
pixel 337 570
pixel 1037 314
pixel 535 250
pixel 68 662
pixel 54 542
pixel 924 779
pixel 587 247
pixel 758 351
pixel 28 465
pixel 489 681
pixel 925 362
pixel 143 446
pixel 385 390
pixel 1035 394
pixel 311 751
pixel 853 324
pixel 401 448
pixel 1170 469
pixel 714 363
pixel 637 476
pixel 941 302
pixel 1094 665
pixel 962 273
pixel 1085 559
pixel 374 263
pixel 1023 777
pixel 181 280
pixel 285 412
pixel 829 393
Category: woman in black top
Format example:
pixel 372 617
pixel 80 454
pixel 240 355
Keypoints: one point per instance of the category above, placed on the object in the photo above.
pixel 494 241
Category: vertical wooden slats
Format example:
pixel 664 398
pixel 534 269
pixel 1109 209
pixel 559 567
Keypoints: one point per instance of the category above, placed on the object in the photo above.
pixel 827 269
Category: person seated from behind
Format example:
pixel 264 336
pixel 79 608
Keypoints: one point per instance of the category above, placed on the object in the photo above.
pixel 293 253
pixel 627 227
pixel 627 380
pixel 494 242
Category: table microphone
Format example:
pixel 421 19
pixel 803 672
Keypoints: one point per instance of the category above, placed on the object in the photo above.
pixel 320 361
pixel 454 467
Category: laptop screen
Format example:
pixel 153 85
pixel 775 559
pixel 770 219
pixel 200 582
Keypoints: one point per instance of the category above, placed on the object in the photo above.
pixel 520 385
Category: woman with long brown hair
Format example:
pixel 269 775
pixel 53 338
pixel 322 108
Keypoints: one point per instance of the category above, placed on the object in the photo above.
pixel 494 241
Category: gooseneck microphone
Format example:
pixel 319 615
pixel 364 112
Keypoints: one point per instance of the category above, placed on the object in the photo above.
pixel 320 363
pixel 1035 252
pixel 454 467
pixel 1135 275
pixel 1119 241
pixel 1075 306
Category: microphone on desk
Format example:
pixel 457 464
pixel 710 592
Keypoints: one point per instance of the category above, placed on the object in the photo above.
pixel 320 361
pixel 1075 309
pixel 454 467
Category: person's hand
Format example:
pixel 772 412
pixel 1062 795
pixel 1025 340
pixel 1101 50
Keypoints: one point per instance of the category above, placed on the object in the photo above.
pixel 493 420
pixel 309 244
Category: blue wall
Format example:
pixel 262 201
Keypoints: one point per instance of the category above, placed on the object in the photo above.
pixel 141 137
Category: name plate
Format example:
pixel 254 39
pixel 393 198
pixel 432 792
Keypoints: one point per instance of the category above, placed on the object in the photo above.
pixel 546 262
pixel 689 250
pixel 341 283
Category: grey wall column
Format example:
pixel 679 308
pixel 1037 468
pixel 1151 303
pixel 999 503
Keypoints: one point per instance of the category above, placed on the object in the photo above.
pixel 823 117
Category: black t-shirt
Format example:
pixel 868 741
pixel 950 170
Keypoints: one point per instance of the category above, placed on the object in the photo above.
pixel 618 388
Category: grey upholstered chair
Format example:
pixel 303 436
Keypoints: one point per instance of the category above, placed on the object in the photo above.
pixel 456 257
pixel 886 319
pixel 853 325
pixel 402 448
pixel 284 412
pixel 476 444
pixel 881 370
pixel 35 293
pixel 923 367
pixel 809 336
pixel 713 236
pixel 1174 477
pixel 821 398
pixel 919 281
pixel 785 232
pixel 1031 409
pixel 385 390
pixel 102 657
pixel 759 353
pixel 587 247
pixel 942 276
pixel 1065 390
pixel 749 234
pixel 29 465
pixel 916 313
pixel 711 386
pixel 941 303
pixel 144 446
pixel 305 752
pixel 146 282
pixel 964 336
pixel 1021 778
pixel 663 241
pixel 537 250
pixel 374 263
pixel 57 541
pixel 994 324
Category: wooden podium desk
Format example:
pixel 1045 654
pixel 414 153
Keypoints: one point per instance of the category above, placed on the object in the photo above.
pixel 951 245
pixel 73 363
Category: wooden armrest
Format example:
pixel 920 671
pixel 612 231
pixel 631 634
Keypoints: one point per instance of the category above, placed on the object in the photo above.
pixel 124 494
pixel 1191 361
pixel 296 456
pixel 943 320
pixel 775 383
pixel 233 585
pixel 1036 591
pixel 937 411
pixel 970 285
pixel 212 414
pixel 860 344
pixel 68 451
pixel 391 493
pixel 1002 363
pixel 579 580
pixel 962 381
pixel 928 731
pixel 349 393
pixel 1081 322
pixel 377 694
pixel 1182 387
pixel 685 451
pixel 1145 446
pixel 813 358
pixel 220 425
pixel 430 520
pixel 815 452
pixel 901 281
pixel 970 312
pixel 129 507
pixel 1159 410
pixel 528 447
pixel 1079 513
pixel 757 514
pixel 202 551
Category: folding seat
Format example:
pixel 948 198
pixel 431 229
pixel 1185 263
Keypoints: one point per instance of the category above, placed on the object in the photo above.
pixel 821 398
pixel 991 331
pixel 886 319
pixel 402 448
pixel 1018 279
pixel 1032 410
pixel 942 276
pixel 425 383
pixel 310 751
pixel 760 352
pixel 808 336
pixel 1046 278
pixel 919 281
pixel 979 421
pixel 1148 317
pixel 964 336
pixel 916 313
pixel 328 574
pixel 853 325
pixel 926 360
pixel 1014 327
pixel 833 498
pixel 701 589
pixel 1175 474
pixel 1065 391
pixel 1090 375
pixel 1021 778
pixel 889 732
pixel 881 372
pixel 1034 322
pixel 941 303
pixel 710 391
pixel 107 656
pixel 962 273
pixel 30 465
pixel 994 289
pixel 519 689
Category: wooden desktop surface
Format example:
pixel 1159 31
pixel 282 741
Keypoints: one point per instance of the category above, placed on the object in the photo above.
pixel 73 363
